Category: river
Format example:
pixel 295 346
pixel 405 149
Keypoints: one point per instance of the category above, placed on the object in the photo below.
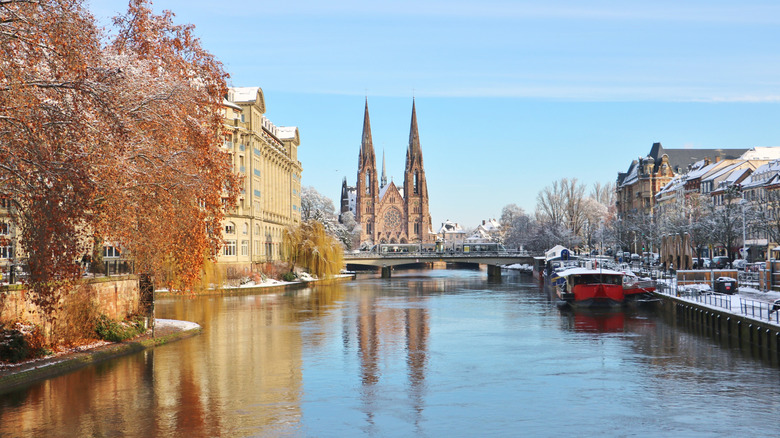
pixel 425 353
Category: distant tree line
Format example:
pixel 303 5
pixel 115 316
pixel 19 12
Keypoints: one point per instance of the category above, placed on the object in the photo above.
pixel 565 214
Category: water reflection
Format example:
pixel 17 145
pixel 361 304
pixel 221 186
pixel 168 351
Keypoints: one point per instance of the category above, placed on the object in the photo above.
pixel 421 354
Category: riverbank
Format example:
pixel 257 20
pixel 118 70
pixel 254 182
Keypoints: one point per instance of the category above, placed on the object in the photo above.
pixel 266 286
pixel 20 374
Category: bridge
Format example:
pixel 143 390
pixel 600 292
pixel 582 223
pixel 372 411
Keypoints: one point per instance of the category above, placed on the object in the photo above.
pixel 493 259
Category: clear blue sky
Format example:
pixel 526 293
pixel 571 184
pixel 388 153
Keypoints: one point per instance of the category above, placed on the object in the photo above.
pixel 511 95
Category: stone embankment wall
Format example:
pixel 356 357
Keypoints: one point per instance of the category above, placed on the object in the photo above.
pixel 760 337
pixel 116 297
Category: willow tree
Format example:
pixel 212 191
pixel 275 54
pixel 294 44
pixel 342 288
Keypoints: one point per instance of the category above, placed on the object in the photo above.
pixel 117 139
pixel 310 247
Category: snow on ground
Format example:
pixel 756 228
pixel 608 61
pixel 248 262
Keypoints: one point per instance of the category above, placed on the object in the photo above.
pixel 748 301
pixel 519 267
pixel 181 325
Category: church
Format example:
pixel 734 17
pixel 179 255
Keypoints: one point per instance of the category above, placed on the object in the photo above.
pixel 385 212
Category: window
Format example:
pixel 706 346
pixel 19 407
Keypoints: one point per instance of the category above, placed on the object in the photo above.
pixel 6 252
pixel 5 228
pixel 246 229
pixel 368 182
pixel 110 252
pixel 230 228
pixel 244 247
pixel 230 248
pixel 416 183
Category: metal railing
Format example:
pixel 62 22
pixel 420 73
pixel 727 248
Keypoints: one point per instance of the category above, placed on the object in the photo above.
pixel 749 278
pixel 696 295
pixel 447 253
pixel 759 310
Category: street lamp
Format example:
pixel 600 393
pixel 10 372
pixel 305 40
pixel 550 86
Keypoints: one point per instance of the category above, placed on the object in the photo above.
pixel 743 202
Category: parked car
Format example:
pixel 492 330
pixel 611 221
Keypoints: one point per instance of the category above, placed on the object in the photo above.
pixel 702 263
pixel 739 264
pixel 721 262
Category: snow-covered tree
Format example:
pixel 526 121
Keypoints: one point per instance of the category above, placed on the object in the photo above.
pixel 118 139
pixel 318 207
pixel 727 219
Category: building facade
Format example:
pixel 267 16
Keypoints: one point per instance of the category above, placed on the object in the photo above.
pixel 266 157
pixel 385 212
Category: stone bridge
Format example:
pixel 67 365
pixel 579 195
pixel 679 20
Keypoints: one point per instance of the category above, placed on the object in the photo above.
pixel 494 260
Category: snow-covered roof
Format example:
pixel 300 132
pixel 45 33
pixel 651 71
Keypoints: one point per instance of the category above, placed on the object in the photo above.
pixel 632 175
pixel 736 175
pixel 582 271
pixel 699 169
pixel 479 234
pixel 286 132
pixel 762 153
pixel 450 227
pixel 672 186
pixel 723 171
pixel 765 174
pixel 244 94
pixel 230 104
pixel 489 225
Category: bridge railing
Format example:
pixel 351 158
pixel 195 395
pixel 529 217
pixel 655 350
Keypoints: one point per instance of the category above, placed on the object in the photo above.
pixel 436 254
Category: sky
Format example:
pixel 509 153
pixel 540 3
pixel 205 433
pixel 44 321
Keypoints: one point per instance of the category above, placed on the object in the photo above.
pixel 510 95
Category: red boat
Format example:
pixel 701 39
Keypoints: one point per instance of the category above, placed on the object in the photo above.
pixel 581 287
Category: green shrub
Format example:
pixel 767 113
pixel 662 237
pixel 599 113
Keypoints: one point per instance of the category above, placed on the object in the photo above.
pixel 289 276
pixel 113 331
pixel 13 346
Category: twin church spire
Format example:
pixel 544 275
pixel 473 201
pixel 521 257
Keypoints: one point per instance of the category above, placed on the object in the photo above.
pixel 386 213
pixel 368 157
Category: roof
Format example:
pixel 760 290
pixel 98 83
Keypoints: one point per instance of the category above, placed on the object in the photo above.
pixel 583 271
pixel 230 104
pixel 762 153
pixel 450 227
pixel 245 94
pixel 287 132
pixel 680 159
pixel 764 175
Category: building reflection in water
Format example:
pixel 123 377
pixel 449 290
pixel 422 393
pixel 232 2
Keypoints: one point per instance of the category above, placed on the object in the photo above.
pixel 386 327
pixel 358 356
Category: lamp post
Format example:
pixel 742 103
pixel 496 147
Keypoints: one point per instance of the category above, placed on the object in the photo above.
pixel 742 202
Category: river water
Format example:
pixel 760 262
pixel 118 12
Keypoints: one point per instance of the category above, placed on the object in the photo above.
pixel 426 353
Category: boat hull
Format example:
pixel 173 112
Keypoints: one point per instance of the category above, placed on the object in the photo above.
pixel 595 295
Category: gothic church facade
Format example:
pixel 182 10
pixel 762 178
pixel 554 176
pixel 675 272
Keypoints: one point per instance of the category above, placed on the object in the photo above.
pixel 385 212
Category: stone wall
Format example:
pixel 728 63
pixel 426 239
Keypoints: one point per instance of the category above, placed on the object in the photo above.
pixel 116 297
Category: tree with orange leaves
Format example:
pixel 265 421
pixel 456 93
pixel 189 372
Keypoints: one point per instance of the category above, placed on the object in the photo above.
pixel 119 140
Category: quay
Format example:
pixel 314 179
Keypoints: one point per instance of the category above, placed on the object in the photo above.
pixel 747 319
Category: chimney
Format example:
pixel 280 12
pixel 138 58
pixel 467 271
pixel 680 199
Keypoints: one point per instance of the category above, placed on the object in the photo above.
pixel 483 222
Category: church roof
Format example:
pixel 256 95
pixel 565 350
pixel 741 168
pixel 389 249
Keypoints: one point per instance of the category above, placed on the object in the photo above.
pixel 414 152
pixel 367 145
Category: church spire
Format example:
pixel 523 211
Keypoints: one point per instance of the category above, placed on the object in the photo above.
pixel 414 152
pixel 383 182
pixel 367 156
